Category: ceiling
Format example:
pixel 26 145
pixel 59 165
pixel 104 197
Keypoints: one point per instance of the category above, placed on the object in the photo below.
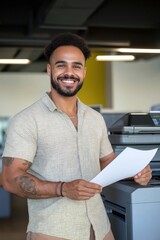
pixel 27 26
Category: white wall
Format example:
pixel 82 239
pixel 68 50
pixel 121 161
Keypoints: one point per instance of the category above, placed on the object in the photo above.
pixel 19 90
pixel 135 85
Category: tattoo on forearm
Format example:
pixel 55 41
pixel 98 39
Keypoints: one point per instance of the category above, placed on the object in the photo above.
pixel 7 161
pixel 27 186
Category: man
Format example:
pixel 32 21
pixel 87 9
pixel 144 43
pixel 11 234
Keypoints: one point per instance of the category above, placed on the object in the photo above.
pixel 55 147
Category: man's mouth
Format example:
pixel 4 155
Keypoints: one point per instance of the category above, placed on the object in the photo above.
pixel 68 79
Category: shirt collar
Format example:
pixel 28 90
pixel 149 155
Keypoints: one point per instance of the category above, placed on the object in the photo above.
pixel 48 102
pixel 52 107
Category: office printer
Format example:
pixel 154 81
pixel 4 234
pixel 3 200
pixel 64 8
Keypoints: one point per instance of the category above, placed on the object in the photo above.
pixel 134 210
pixel 138 130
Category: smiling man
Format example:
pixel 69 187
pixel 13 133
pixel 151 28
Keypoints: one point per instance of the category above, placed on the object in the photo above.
pixel 55 147
pixel 68 72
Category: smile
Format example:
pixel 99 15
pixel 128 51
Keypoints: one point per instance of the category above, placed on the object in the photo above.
pixel 68 81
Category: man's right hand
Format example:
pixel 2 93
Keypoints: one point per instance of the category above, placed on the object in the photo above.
pixel 80 189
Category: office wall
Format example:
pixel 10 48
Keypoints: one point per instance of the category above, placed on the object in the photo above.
pixel 95 87
pixel 135 85
pixel 19 90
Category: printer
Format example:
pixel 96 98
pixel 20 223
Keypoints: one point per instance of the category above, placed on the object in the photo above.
pixel 134 210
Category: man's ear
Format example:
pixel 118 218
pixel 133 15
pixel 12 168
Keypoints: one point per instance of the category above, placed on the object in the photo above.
pixel 49 69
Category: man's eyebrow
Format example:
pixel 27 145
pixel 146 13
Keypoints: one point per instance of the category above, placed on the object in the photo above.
pixel 61 61
pixel 79 63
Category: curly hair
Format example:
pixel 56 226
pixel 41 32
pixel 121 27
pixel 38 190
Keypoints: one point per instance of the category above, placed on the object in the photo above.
pixel 67 39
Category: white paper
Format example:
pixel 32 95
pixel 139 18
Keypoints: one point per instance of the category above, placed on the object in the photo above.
pixel 127 164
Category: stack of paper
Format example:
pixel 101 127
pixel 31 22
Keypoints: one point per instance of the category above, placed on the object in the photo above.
pixel 127 164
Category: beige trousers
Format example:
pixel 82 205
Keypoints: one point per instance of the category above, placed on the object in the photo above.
pixel 40 236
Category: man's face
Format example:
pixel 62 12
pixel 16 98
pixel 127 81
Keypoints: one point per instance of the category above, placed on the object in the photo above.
pixel 67 70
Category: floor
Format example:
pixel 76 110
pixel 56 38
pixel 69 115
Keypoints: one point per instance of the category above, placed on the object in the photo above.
pixel 14 227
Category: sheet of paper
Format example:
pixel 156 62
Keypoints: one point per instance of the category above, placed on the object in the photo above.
pixel 127 164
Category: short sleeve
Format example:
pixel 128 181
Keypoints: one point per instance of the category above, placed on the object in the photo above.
pixel 21 141
pixel 106 147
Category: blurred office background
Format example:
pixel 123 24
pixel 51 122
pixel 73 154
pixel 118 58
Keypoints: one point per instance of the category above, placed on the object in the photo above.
pixel 26 27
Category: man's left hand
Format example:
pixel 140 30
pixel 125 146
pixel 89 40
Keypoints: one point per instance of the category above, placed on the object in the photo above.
pixel 144 176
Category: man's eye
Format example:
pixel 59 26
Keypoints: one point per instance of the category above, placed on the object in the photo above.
pixel 60 65
pixel 77 66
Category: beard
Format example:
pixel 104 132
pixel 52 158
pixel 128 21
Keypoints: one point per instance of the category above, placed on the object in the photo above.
pixel 67 92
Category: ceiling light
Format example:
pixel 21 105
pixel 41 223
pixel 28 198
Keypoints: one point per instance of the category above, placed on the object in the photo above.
pixel 138 50
pixel 14 61
pixel 108 43
pixel 115 58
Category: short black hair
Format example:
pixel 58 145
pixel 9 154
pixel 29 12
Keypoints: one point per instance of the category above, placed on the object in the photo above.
pixel 67 39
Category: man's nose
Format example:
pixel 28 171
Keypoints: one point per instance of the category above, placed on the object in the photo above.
pixel 69 70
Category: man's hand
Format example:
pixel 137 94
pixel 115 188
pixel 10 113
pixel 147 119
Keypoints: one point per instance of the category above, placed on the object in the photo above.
pixel 80 189
pixel 144 176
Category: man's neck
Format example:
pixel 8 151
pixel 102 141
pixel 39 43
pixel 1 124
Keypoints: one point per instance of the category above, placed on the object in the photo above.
pixel 65 104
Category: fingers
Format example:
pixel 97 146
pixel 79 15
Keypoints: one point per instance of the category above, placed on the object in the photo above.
pixel 144 176
pixel 80 189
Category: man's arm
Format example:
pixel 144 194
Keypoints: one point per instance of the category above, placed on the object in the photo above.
pixel 16 180
pixel 106 160
pixel 141 178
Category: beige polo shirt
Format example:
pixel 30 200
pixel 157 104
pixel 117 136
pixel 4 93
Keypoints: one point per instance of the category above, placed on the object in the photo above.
pixel 45 136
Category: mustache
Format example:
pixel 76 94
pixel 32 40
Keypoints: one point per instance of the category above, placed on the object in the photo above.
pixel 67 77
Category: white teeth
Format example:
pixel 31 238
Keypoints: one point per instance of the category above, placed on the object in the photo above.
pixel 68 81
